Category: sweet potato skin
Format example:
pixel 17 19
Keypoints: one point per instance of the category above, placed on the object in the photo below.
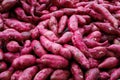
pixel 43 74
pixel 28 73
pixel 60 75
pixel 23 61
pixel 3 66
pixel 37 47
pixel 53 61
pixel 76 71
pixel 16 75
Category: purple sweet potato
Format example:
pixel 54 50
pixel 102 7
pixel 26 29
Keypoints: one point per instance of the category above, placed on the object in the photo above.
pixel 60 74
pixel 76 72
pixel 6 75
pixel 104 76
pixel 16 75
pixel 50 46
pixel 3 66
pixel 109 63
pixel 62 23
pixel 66 37
pixel 53 61
pixel 1 54
pixel 92 74
pixel 23 61
pixel 13 46
pixel 65 53
pixel 73 23
pixel 115 74
pixel 78 56
pixel 93 63
pixel 43 74
pixel 28 73
pixel 98 52
pixel 53 25
pixel 38 49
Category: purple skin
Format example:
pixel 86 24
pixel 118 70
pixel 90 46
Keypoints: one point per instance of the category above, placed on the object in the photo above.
pixel 104 76
pixel 109 63
pixel 115 74
pixel 92 74
pixel 77 72
pixel 98 52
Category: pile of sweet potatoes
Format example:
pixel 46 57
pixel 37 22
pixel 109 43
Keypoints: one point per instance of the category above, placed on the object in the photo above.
pixel 59 39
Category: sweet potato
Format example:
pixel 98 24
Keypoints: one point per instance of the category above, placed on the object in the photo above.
pixel 73 23
pixel 1 54
pixel 6 75
pixel 17 25
pixel 9 57
pixel 69 11
pixel 23 61
pixel 62 23
pixel 53 25
pixel 115 74
pixel 57 14
pixel 98 52
pixel 38 49
pixel 43 74
pixel 60 74
pixel 13 46
pixel 50 46
pixel 7 5
pixel 48 34
pixel 26 48
pixel 10 34
pixel 109 63
pixel 77 40
pixel 78 56
pixel 26 35
pixel 28 73
pixel 53 61
pixel 76 72
pixel 3 66
pixel 81 20
pixel 107 15
pixel 92 74
pixel 16 75
pixel 1 23
pixel 65 53
pixel 104 76
pixel 93 63
pixel 53 8
pixel 92 43
pixel 66 37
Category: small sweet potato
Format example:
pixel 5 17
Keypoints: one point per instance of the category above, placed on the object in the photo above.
pixel 35 33
pixel 73 23
pixel 109 63
pixel 53 61
pixel 98 52
pixel 77 40
pixel 23 61
pixel 48 34
pixel 13 46
pixel 93 63
pixel 65 53
pixel 78 56
pixel 3 66
pixel 76 72
pixel 53 25
pixel 92 74
pixel 104 76
pixel 28 73
pixel 115 74
pixel 38 49
pixel 81 20
pixel 69 11
pixel 16 75
pixel 62 23
pixel 50 46
pixel 60 74
pixel 43 74
pixel 9 57
pixel 66 37
pixel 6 75
pixel 1 54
